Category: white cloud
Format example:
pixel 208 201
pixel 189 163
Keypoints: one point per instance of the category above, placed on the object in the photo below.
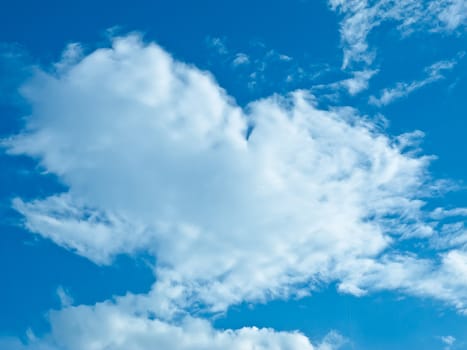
pixel 240 58
pixel 360 17
pixel 96 235
pixel 450 235
pixel 445 279
pixel 65 298
pixel 452 14
pixel 160 152
pixel 333 340
pixel 357 83
pixel 258 64
pixel 448 340
pixel 109 326
pixel 273 55
pixel 70 56
pixel 285 58
pixel 402 89
pixel 157 159
pixel 218 44
pixel 441 213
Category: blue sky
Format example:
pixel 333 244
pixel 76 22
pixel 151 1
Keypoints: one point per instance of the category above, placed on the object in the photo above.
pixel 233 175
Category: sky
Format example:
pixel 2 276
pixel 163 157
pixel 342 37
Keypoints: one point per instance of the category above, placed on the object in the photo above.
pixel 248 175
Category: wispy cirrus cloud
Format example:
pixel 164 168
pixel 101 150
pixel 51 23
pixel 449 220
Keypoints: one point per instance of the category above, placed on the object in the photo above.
pixel 358 82
pixel 433 73
pixel 361 17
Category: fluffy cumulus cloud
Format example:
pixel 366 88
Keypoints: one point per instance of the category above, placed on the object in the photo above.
pixel 105 326
pixel 109 325
pixel 235 204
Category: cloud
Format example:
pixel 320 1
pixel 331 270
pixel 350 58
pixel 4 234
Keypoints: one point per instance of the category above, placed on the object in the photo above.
pixel 106 326
pixel 451 235
pixel 236 205
pixel 70 56
pixel 448 340
pixel 354 85
pixel 441 213
pixel 402 89
pixel 259 68
pixel 443 279
pixel 333 340
pixel 359 81
pixel 157 159
pixel 361 17
pixel 218 44
pixel 109 326
pixel 64 297
pixel 240 59
pixel 452 14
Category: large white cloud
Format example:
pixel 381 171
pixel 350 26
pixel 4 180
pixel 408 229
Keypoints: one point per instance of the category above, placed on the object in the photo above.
pixel 235 204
